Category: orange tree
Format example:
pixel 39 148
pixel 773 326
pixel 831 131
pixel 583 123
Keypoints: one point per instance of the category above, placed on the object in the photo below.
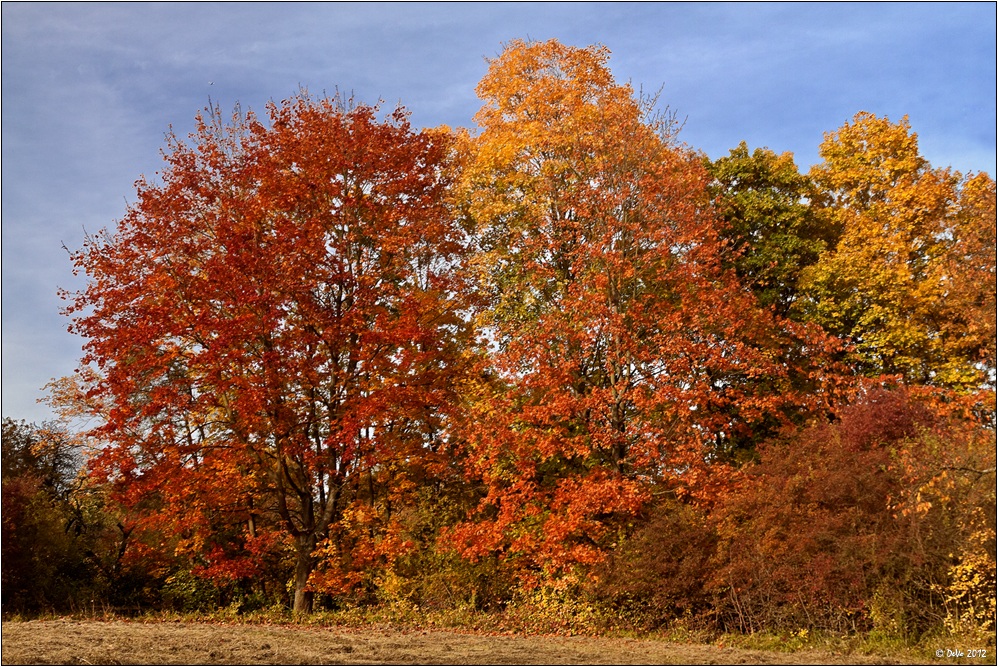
pixel 270 328
pixel 622 354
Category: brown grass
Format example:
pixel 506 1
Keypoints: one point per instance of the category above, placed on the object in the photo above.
pixel 120 642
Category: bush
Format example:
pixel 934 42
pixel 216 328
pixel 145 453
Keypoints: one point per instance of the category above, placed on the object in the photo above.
pixel 183 592
pixel 858 525
pixel 432 574
pixel 659 574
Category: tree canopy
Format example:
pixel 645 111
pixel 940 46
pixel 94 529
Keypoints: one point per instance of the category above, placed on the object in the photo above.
pixel 335 360
pixel 272 323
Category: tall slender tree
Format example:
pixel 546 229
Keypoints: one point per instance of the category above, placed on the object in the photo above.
pixel 623 349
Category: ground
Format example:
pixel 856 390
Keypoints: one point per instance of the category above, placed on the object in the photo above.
pixel 74 642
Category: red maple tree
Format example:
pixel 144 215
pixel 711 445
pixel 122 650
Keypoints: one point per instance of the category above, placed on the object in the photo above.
pixel 273 329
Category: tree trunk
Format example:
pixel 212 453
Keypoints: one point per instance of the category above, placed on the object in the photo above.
pixel 304 563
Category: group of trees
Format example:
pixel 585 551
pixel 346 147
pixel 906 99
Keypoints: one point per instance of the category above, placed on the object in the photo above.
pixel 330 355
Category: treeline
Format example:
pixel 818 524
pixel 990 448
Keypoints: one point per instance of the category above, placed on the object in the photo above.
pixel 563 360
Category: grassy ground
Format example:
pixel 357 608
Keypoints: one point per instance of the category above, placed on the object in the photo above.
pixel 352 638
pixel 76 642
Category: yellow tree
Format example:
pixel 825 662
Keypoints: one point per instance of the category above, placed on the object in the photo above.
pixel 894 286
pixel 971 305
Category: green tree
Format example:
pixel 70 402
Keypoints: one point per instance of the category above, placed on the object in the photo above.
pixel 772 223
pixel 47 452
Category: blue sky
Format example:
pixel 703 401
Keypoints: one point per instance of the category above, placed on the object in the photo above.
pixel 89 89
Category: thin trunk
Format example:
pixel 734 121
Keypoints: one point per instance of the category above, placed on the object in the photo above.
pixel 251 522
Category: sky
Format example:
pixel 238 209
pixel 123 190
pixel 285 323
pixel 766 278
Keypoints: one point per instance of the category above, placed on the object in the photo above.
pixel 90 90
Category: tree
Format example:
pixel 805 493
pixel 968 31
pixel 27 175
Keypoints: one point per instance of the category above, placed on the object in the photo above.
pixel 620 349
pixel 270 333
pixel 969 309
pixel 47 452
pixel 772 223
pixel 893 286
pixel 39 553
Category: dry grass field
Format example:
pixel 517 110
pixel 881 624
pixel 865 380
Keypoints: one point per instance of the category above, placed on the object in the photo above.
pixel 74 642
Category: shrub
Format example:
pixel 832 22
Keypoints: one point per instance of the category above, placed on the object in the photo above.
pixel 659 573
pixel 864 524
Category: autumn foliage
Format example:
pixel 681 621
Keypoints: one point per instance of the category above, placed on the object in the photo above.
pixel 275 326
pixel 562 362
pixel 830 531
pixel 625 354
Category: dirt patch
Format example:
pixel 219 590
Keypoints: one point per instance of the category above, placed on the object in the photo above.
pixel 73 642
